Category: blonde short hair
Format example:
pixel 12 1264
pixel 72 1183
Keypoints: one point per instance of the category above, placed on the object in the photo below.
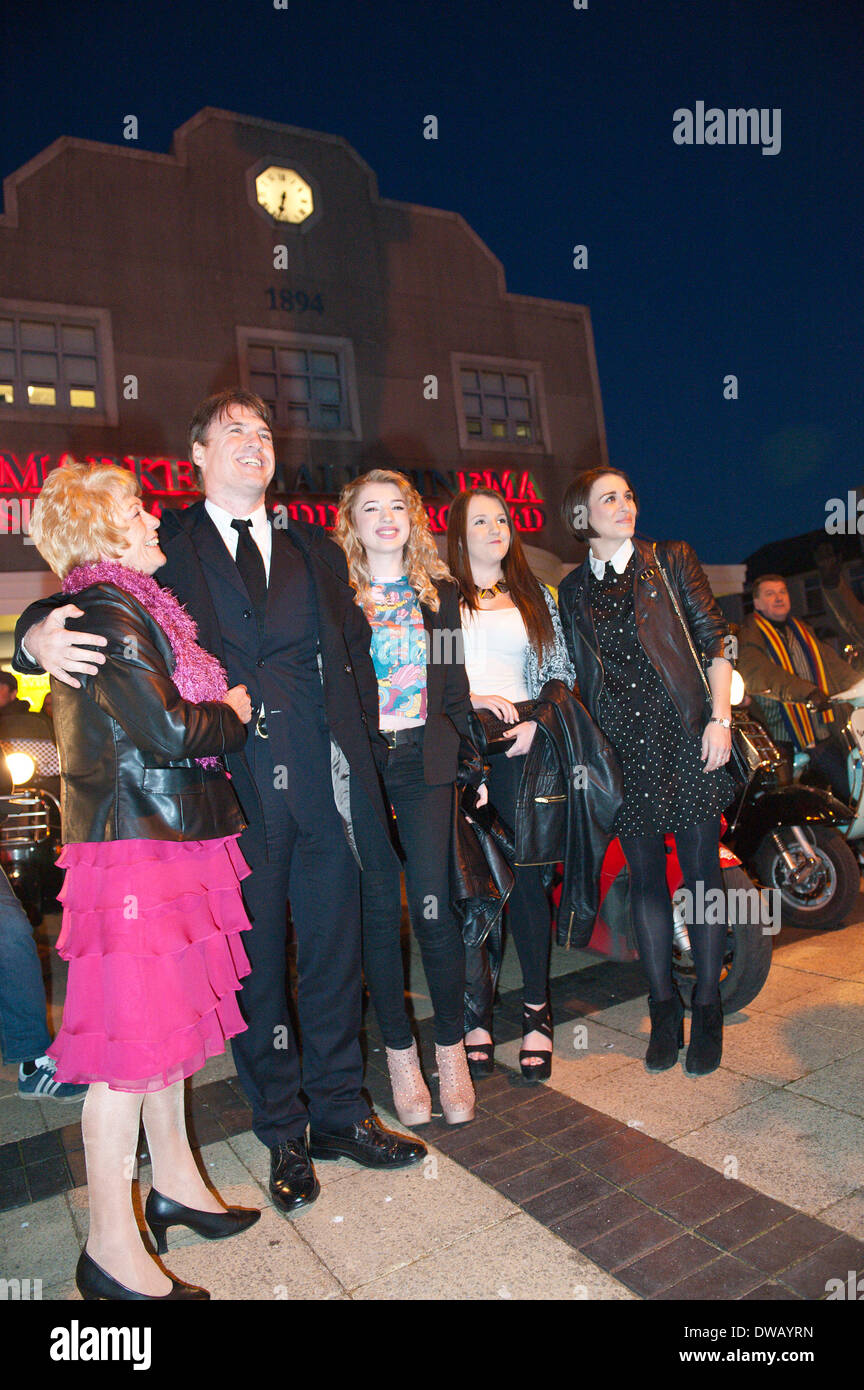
pixel 76 517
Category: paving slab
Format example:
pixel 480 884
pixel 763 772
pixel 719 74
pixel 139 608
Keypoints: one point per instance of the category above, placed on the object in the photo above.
pixel 839 1084
pixel 372 1223
pixel 667 1104
pixel 270 1261
pixel 830 1003
pixel 514 1259
pixel 788 1147
pixel 847 1214
pixel 39 1241
pixel 782 1046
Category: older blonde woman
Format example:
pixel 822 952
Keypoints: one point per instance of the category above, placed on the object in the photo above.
pixel 405 590
pixel 152 910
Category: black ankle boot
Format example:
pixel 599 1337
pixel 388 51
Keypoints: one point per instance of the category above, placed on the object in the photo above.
pixel 706 1038
pixel 667 1032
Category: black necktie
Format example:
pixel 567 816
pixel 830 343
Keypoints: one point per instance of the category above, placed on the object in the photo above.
pixel 251 566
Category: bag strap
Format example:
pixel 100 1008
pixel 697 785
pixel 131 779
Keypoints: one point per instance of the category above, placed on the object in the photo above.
pixel 686 629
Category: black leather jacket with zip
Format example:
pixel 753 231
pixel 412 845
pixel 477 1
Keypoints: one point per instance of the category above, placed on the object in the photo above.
pixel 128 741
pixel 569 795
pixel 657 625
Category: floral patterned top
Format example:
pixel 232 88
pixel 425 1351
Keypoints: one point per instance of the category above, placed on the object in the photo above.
pixel 399 652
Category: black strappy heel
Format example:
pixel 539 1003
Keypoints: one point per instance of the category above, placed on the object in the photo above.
pixel 536 1021
pixel 483 1065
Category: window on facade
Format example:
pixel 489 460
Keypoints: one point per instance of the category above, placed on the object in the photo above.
pixel 499 405
pixel 304 386
pixel 52 362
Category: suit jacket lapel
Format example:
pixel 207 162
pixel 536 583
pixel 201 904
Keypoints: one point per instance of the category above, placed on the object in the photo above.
pixel 214 553
pixel 280 567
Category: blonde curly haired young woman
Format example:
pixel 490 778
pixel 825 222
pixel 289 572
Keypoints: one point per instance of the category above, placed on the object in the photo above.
pixel 411 603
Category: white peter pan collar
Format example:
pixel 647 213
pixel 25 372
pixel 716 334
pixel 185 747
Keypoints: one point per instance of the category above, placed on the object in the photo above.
pixel 618 562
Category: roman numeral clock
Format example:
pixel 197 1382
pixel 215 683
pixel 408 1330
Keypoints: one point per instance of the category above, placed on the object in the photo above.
pixel 286 196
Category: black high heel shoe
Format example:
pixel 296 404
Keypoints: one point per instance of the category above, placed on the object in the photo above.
pixel 161 1212
pixel 484 1065
pixel 94 1284
pixel 536 1021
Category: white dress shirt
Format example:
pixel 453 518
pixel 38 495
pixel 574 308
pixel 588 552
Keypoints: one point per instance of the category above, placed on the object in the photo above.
pixel 618 561
pixel 260 530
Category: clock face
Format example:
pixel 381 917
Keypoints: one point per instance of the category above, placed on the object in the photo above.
pixel 284 194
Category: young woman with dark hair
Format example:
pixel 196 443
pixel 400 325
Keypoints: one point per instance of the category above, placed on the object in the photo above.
pixel 639 680
pixel 513 645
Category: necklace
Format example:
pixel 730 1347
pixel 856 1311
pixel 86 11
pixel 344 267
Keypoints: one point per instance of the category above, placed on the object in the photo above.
pixel 499 588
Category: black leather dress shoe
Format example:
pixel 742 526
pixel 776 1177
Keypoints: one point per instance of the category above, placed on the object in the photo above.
pixel 367 1142
pixel 293 1183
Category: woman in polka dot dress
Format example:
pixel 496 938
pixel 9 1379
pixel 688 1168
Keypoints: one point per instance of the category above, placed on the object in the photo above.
pixel 638 678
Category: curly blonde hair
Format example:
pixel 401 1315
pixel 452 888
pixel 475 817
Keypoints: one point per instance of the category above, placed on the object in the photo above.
pixel 423 564
pixel 76 517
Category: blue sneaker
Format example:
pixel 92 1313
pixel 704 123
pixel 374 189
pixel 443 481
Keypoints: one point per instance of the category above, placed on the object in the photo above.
pixel 41 1084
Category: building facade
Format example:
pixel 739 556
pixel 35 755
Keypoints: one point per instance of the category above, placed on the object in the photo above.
pixel 132 284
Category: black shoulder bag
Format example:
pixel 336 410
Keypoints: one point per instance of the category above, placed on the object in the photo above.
pixel 744 757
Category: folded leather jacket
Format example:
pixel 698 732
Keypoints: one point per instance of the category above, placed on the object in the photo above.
pixel 657 626
pixel 128 741
pixel 569 795
pixel 481 879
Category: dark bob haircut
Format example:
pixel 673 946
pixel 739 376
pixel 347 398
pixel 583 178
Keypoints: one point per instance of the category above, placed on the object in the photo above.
pixel 574 507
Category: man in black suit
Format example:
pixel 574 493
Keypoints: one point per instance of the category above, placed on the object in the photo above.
pixel 272 601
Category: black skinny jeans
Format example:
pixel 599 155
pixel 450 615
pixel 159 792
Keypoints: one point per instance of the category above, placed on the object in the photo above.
pixel 529 917
pixel 423 819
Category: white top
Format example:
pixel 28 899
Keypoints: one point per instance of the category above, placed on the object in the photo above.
pixel 260 530
pixel 496 647
pixel 618 561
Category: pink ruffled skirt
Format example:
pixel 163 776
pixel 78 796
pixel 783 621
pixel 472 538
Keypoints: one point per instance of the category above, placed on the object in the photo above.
pixel 151 931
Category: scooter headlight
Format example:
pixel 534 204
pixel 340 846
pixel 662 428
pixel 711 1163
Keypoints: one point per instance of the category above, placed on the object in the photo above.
pixel 21 768
pixel 739 689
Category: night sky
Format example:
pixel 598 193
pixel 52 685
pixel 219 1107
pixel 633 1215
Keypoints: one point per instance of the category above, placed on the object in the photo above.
pixel 555 129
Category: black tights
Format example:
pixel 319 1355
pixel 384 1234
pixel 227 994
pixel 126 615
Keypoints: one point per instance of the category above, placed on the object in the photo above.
pixel 651 906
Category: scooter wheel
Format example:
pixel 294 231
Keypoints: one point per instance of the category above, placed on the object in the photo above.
pixel 818 905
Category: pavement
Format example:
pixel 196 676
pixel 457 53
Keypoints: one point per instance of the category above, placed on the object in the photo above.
pixel 604 1184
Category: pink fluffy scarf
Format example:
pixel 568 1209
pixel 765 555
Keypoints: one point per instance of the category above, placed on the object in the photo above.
pixel 197 674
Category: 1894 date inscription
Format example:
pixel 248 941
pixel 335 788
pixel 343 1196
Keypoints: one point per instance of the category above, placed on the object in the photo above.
pixel 295 301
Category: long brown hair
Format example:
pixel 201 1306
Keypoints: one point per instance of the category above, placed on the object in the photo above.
pixel 423 564
pixel 523 586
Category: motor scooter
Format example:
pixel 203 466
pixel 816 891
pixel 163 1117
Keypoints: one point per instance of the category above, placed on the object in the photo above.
pixel 30 838
pixel 749 932
pixel 791 835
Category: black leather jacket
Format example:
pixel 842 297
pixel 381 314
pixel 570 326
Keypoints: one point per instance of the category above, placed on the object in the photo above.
pixel 657 625
pixel 569 795
pixel 128 740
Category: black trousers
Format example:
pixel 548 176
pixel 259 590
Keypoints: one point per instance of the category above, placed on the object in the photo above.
pixel 528 915
pixel 423 820
pixel 310 863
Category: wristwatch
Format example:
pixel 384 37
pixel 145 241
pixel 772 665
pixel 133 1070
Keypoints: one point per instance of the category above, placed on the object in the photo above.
pixel 724 723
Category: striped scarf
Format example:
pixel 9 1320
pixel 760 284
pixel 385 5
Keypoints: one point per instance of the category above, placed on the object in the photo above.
pixel 797 718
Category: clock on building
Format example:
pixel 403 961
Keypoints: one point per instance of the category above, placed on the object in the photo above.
pixel 285 195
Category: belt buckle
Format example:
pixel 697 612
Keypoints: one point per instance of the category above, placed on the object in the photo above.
pixel 261 725
pixel 389 737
